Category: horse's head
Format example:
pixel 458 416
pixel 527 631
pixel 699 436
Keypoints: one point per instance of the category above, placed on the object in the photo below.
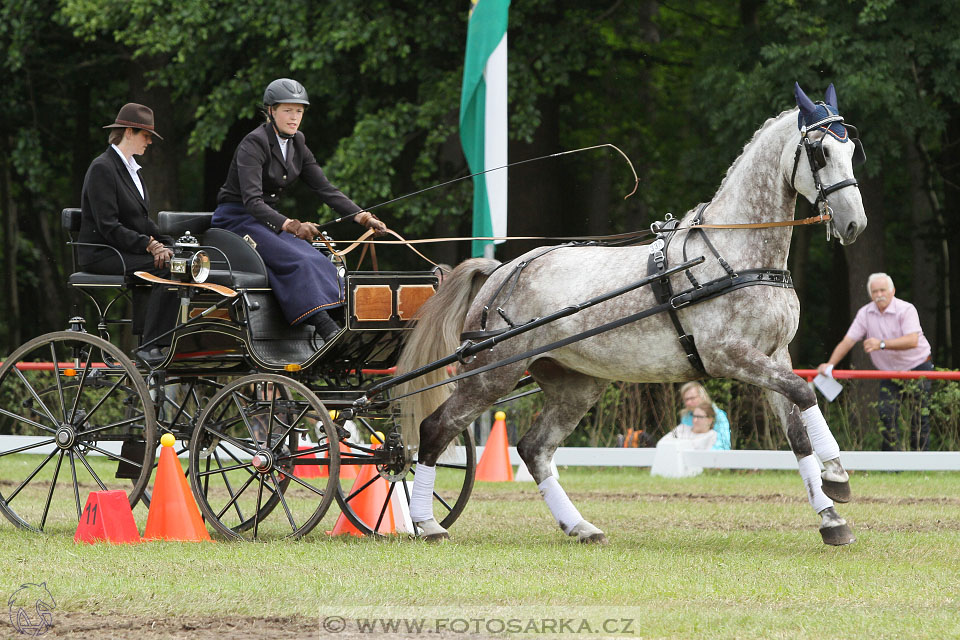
pixel 823 162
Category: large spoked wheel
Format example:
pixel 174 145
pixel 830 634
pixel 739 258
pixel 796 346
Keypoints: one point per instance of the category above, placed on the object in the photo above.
pixel 371 500
pixel 75 417
pixel 254 473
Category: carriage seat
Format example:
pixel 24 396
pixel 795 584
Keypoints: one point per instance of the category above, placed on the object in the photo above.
pixel 234 263
pixel 70 220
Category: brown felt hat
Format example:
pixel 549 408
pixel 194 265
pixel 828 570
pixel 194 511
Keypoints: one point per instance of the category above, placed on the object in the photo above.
pixel 135 116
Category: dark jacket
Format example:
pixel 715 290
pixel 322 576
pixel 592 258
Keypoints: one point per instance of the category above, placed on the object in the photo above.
pixel 258 175
pixel 113 212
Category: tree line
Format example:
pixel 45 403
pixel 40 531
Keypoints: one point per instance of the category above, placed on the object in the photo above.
pixel 680 86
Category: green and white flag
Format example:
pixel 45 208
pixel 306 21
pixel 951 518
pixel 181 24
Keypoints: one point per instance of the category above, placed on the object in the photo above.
pixel 483 116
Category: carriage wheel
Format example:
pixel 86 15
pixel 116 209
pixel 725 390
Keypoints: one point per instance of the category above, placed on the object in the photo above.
pixel 367 505
pixel 73 426
pixel 252 474
pixel 178 409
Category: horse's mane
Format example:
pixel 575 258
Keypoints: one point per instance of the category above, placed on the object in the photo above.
pixel 766 125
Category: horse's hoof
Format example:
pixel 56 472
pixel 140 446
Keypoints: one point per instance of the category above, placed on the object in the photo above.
pixel 596 538
pixel 837 491
pixel 837 536
pixel 588 534
pixel 431 531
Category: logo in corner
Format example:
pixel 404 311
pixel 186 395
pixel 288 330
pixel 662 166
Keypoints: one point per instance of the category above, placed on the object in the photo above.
pixel 30 609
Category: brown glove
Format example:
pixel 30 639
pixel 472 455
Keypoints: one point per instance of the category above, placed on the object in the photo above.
pixel 307 231
pixel 371 222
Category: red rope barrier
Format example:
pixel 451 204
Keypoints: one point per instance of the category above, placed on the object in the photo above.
pixel 872 374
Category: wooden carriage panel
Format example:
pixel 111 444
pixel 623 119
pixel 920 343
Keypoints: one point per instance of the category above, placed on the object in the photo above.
pixel 373 302
pixel 410 297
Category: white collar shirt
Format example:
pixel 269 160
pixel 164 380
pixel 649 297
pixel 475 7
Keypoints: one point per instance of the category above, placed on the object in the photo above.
pixel 132 168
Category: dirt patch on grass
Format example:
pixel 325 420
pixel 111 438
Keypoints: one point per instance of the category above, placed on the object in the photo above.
pixel 93 626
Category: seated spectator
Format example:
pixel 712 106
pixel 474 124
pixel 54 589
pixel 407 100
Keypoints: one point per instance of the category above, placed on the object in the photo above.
pixel 693 394
pixel 701 434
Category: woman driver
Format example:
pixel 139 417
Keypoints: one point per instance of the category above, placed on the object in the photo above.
pixel 267 161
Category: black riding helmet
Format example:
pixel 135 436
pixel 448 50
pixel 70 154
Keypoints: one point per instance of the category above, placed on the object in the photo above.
pixel 283 91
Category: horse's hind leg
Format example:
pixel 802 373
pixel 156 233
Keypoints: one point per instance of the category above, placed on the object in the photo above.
pixel 567 397
pixel 745 362
pixel 833 529
pixel 468 401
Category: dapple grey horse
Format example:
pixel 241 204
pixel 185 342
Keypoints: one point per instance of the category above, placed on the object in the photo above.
pixel 742 334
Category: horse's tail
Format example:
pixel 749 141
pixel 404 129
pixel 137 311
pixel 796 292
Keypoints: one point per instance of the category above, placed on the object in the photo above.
pixel 435 336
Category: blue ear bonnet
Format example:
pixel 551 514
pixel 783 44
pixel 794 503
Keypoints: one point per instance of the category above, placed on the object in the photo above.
pixel 824 111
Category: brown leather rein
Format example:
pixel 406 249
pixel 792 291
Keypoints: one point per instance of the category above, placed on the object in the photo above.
pixel 363 239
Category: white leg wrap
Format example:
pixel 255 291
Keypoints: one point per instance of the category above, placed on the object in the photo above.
pixel 421 497
pixel 810 472
pixel 824 444
pixel 560 506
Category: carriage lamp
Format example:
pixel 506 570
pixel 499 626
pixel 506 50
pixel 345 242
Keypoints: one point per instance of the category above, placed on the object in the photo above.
pixel 196 266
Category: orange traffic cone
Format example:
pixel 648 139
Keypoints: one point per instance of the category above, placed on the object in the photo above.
pixel 173 511
pixel 107 518
pixel 368 503
pixel 494 465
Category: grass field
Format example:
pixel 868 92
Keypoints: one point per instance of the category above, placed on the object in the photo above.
pixel 723 555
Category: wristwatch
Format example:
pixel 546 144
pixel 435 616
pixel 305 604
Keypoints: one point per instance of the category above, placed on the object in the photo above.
pixel 883 345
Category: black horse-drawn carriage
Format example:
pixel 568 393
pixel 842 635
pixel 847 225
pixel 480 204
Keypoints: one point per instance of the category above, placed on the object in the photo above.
pixel 265 412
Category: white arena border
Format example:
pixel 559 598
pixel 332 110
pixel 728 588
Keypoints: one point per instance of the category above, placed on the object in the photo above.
pixel 751 459
pixel 643 457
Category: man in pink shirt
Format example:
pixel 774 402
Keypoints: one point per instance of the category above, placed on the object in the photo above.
pixel 891 334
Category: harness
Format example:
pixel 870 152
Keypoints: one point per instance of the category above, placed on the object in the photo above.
pixel 663 291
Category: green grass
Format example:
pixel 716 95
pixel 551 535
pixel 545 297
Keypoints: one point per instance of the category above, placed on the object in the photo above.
pixel 723 555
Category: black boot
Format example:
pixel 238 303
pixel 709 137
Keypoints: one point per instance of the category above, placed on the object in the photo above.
pixel 326 326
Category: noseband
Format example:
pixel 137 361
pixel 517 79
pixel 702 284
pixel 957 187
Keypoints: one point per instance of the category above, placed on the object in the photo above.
pixel 818 160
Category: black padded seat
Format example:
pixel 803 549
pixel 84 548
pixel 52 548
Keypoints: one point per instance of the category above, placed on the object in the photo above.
pixel 84 279
pixel 70 219
pixel 177 223
pixel 246 268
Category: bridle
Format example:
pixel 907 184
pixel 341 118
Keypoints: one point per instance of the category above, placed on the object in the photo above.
pixel 817 158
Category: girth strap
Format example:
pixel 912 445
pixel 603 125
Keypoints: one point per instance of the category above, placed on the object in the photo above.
pixel 657 264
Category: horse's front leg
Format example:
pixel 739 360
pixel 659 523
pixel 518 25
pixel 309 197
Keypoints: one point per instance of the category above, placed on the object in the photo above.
pixel 567 397
pixel 746 363
pixel 833 529
pixel 803 422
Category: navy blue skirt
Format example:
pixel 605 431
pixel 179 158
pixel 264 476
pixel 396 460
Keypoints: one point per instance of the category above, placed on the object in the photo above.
pixel 304 281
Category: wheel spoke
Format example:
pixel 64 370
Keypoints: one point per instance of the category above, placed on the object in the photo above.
pixel 27 447
pixel 106 396
pixel 283 501
pixel 243 416
pixel 26 481
pixel 256 514
pixel 110 456
pixel 303 484
pixel 113 425
pixel 26 420
pixel 383 509
pixel 53 485
pixel 361 489
pixel 83 380
pixel 76 485
pixel 36 397
pixel 56 374
pixel 233 497
pixel 226 481
pixel 90 470
pixel 442 501
pixel 237 443
pixel 290 427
